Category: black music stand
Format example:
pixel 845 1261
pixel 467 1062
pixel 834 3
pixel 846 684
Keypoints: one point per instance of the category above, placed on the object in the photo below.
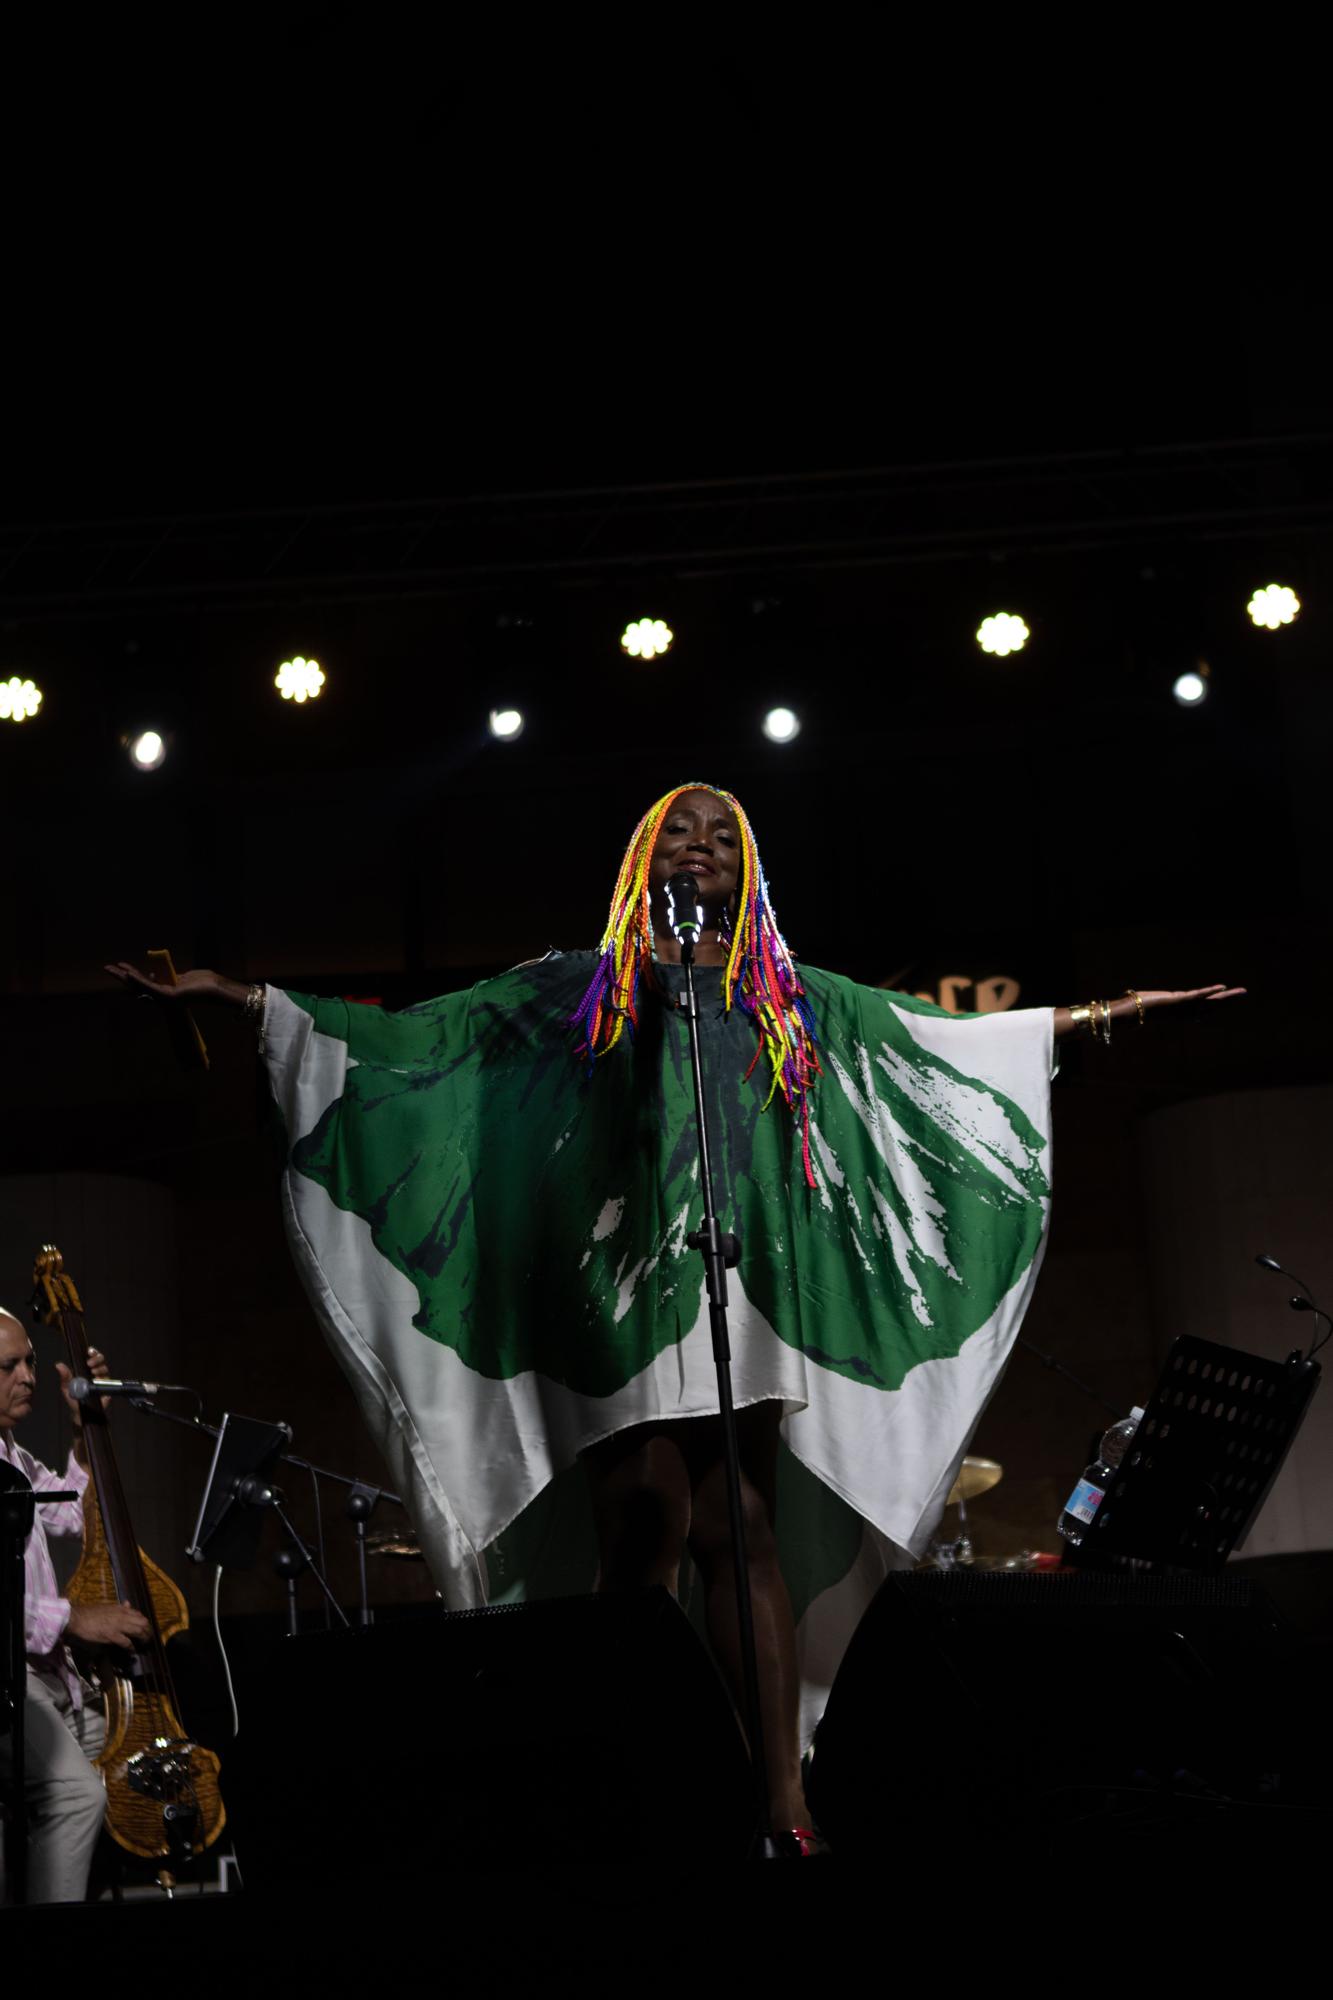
pixel 237 1493
pixel 18 1505
pixel 1202 1462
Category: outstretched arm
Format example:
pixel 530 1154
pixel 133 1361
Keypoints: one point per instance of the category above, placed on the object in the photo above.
pixel 198 985
pixel 1097 1015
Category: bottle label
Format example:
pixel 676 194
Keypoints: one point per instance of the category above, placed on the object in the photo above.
pixel 1085 1500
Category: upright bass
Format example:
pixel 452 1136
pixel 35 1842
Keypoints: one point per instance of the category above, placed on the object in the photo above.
pixel 162 1796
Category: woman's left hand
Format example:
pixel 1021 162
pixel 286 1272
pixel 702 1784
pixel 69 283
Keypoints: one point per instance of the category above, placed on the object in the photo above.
pixel 1126 1007
pixel 1155 999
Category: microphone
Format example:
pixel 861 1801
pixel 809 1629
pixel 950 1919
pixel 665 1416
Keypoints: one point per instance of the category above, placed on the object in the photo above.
pixel 684 910
pixel 84 1386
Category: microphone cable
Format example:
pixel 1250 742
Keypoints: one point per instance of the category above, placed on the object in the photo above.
pixel 226 1664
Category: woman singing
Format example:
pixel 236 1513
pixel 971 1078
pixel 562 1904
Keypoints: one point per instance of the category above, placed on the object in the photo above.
pixel 488 1197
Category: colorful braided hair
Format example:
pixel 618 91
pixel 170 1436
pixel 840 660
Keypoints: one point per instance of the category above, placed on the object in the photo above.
pixel 759 967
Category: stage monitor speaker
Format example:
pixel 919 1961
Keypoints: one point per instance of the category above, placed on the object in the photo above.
pixel 984 1705
pixel 574 1731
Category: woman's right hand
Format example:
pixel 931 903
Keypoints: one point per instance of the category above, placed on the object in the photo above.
pixel 197 985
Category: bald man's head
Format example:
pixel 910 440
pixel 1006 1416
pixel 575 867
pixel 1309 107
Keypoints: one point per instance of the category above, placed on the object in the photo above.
pixel 18 1372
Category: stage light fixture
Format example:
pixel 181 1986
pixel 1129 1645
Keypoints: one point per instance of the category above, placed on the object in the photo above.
pixel 147 750
pixel 780 725
pixel 1274 605
pixel 646 638
pixel 506 723
pixel 299 680
pixel 1190 689
pixel 19 699
pixel 1004 632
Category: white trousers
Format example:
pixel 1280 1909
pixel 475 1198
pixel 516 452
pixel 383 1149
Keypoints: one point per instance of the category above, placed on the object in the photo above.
pixel 66 1797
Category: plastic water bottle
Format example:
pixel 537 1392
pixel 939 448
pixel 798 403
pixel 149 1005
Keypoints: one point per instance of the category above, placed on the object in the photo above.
pixel 1080 1508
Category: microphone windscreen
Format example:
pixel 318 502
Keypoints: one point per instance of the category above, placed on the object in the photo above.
pixel 683 907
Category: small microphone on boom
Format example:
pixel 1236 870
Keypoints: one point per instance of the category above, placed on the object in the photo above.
pixel 83 1387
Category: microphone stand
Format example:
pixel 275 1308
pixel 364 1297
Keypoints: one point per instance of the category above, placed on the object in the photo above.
pixel 719 1251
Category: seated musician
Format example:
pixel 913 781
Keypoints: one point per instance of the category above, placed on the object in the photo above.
pixel 63 1720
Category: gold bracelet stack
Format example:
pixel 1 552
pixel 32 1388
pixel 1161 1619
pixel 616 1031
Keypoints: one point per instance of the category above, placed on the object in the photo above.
pixel 1096 1015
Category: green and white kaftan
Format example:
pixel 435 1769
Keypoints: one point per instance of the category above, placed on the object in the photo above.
pixel 494 1242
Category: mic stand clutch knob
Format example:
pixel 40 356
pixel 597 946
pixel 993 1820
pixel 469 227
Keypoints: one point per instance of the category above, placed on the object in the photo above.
pixel 727 1246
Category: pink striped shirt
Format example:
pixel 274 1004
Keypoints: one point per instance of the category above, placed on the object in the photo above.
pixel 45 1611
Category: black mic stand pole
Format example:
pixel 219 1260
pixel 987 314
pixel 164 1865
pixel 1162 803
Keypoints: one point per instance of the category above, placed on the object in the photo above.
pixel 718 1252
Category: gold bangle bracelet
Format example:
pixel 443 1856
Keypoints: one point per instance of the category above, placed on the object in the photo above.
pixel 1080 1017
pixel 1130 994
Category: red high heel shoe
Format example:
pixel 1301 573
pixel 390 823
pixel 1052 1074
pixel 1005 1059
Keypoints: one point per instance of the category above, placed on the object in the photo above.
pixel 808 1843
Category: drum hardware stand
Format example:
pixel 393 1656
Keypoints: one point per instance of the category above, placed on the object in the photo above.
pixel 361 1504
pixel 289 1563
pixel 253 1490
pixel 721 1251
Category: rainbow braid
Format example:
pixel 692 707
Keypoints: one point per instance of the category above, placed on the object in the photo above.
pixel 759 967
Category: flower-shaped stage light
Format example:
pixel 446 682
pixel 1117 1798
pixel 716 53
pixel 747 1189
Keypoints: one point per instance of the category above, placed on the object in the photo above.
pixel 647 638
pixel 18 699
pixel 299 680
pixel 1003 633
pixel 1274 605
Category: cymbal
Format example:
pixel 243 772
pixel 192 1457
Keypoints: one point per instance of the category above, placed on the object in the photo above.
pixel 975 1477
pixel 394 1542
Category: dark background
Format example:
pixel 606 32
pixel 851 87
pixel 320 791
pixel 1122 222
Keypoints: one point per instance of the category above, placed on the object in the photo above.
pixel 437 358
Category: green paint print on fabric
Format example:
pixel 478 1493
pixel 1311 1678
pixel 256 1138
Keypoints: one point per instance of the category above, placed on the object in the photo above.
pixel 542 1214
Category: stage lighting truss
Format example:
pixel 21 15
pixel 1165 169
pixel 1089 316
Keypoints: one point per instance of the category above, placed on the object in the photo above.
pixel 1004 632
pixel 299 680
pixel 646 638
pixel 147 750
pixel 19 700
pixel 506 723
pixel 780 725
pixel 1274 605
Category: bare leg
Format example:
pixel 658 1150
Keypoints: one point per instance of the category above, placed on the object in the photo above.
pixel 661 1484
pixel 641 1506
pixel 774 1628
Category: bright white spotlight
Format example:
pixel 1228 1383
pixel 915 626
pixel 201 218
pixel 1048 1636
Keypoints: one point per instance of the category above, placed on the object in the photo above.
pixel 1004 632
pixel 506 723
pixel 1189 689
pixel 781 724
pixel 18 699
pixel 147 750
pixel 1274 605
pixel 299 680
pixel 646 638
